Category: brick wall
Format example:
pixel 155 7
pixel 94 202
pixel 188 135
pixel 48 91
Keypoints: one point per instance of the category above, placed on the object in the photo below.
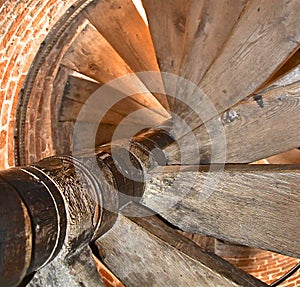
pixel 265 265
pixel 23 26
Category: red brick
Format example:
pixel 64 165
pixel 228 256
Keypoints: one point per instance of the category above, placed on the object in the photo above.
pixel 8 70
pixel 5 39
pixel 265 265
pixel 21 14
pixel 20 84
pixel 28 34
pixel 22 28
pixel 3 64
pixel 14 26
pixel 2 95
pixel 10 90
pixel 11 142
pixel 34 9
pixel 4 114
pixel 38 18
pixel 26 49
pixel 11 48
pixel 13 111
pixel 3 135
pixel 2 159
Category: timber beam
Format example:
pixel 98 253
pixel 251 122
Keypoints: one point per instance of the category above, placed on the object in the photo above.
pixel 253 205
pixel 60 204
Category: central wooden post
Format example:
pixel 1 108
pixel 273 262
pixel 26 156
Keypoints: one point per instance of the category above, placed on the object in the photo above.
pixel 61 203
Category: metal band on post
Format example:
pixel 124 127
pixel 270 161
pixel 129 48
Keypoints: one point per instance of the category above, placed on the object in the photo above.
pixel 15 236
pixel 43 209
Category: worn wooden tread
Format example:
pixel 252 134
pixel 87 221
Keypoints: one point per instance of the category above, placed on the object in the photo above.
pixel 253 205
pixel 77 99
pixel 250 56
pixel 123 27
pixel 140 258
pixel 260 126
pixel 208 27
pixel 91 55
pixel 167 23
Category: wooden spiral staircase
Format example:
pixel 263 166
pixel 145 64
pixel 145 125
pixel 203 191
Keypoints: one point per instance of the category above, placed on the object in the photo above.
pixel 243 56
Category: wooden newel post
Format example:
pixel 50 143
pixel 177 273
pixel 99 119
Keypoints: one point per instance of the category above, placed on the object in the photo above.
pixel 60 204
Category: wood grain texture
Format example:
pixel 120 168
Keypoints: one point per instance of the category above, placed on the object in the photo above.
pixel 15 236
pixel 256 128
pixel 77 269
pixel 252 205
pixel 167 24
pixel 91 55
pixel 208 26
pixel 154 224
pixel 206 243
pixel 76 97
pixel 105 133
pixel 265 36
pixel 289 157
pixel 71 109
pixel 292 64
pixel 79 89
pixel 140 258
pixel 109 278
pixel 122 26
pixel 292 77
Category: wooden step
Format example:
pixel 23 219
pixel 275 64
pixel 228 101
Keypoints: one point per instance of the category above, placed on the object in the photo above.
pixel 101 134
pixel 125 118
pixel 289 157
pixel 258 127
pixel 167 24
pixel 289 72
pixel 265 36
pixel 91 55
pixel 252 205
pixel 76 96
pixel 146 252
pixel 209 25
pixel 122 26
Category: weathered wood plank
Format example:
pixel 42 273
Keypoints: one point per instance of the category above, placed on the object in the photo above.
pixel 71 109
pixel 290 71
pixel 256 128
pixel 208 26
pixel 167 23
pixel 77 270
pixel 91 55
pixel 140 258
pixel 122 26
pixel 253 205
pixel 106 275
pixel 251 55
pixel 104 133
pixel 206 243
pixel 154 224
pixel 76 97
pixel 79 89
pixel 289 157
pixel 292 77
pixel 76 93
